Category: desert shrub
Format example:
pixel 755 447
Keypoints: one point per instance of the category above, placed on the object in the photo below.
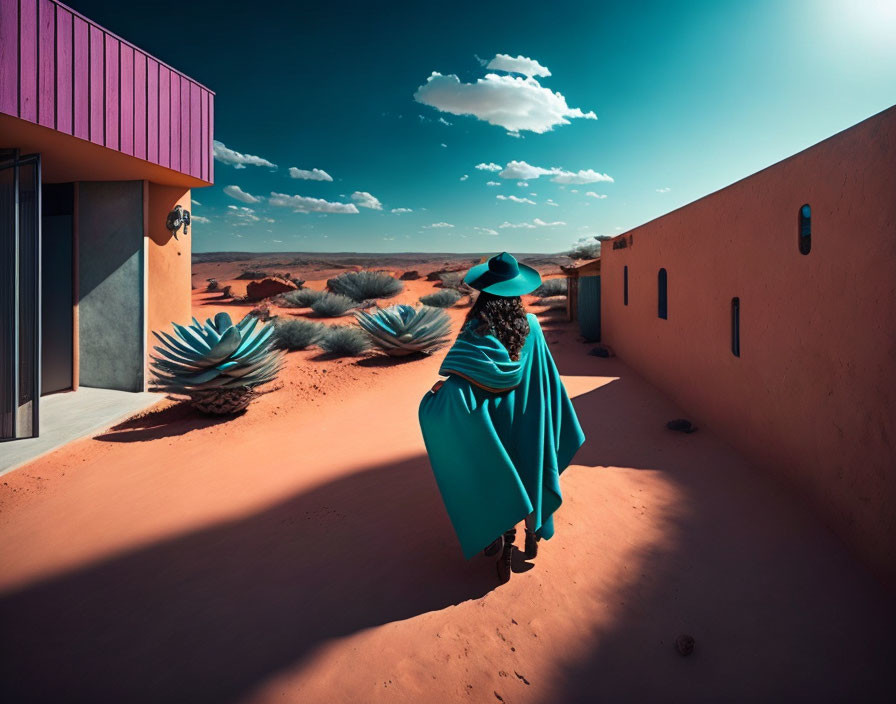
pixel 298 334
pixel 441 299
pixel 227 292
pixel 344 341
pixel 451 279
pixel 302 298
pixel 262 312
pixel 551 287
pixel 332 304
pixel 212 285
pixel 253 274
pixel 361 285
pixel 586 249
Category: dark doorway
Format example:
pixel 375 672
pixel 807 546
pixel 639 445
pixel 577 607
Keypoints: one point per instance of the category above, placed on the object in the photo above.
pixel 57 300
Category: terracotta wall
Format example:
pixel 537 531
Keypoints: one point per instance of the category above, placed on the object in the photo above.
pixel 168 261
pixel 812 396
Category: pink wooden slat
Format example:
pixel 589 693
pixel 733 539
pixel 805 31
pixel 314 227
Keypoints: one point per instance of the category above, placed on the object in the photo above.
pixel 81 87
pixel 140 104
pixel 195 130
pixel 211 138
pixel 9 57
pixel 97 87
pixel 164 116
pixel 113 120
pixel 28 60
pixel 64 72
pixel 126 102
pixel 152 111
pixel 203 138
pixel 184 125
pixel 46 63
pixel 175 121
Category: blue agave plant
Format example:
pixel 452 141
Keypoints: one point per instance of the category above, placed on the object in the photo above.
pixel 219 364
pixel 402 329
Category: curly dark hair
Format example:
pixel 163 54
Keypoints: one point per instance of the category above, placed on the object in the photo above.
pixel 501 316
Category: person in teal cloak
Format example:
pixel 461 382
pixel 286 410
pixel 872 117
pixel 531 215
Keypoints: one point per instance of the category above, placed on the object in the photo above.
pixel 500 429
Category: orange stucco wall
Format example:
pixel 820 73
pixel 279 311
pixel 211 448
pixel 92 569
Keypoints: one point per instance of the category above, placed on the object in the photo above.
pixel 812 396
pixel 167 261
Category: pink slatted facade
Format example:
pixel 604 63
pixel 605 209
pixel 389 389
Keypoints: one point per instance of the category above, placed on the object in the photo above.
pixel 61 70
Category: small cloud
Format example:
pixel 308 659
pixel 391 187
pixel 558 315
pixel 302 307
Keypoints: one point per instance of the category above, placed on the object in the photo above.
pixel 196 202
pixel 236 159
pixel 552 202
pixel 444 145
pixel 243 214
pixel 401 210
pixel 464 177
pixel 303 204
pixel 364 200
pixel 313 175
pixel 520 64
pixel 665 189
pixel 599 196
pixel 486 230
pixel 200 219
pixel 522 184
pixel 491 166
pixel 493 183
pixel 537 222
pixel 516 199
pixel 438 225
pixel 239 194
pixel 444 121
pixel 542 223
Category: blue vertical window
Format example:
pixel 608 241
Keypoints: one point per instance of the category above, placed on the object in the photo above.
pixel 625 285
pixel 663 300
pixel 805 229
pixel 735 327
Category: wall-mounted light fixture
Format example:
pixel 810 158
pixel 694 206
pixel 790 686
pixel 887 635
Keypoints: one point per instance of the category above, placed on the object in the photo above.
pixel 177 217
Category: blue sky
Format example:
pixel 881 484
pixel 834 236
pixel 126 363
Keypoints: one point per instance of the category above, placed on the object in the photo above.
pixel 647 106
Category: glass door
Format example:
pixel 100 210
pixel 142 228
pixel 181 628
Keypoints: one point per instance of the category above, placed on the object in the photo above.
pixel 20 329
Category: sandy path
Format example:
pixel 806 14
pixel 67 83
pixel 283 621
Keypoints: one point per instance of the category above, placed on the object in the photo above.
pixel 301 553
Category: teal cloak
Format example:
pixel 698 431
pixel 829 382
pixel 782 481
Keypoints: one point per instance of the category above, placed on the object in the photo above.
pixel 498 433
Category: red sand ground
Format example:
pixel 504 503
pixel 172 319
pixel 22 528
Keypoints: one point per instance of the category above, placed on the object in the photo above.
pixel 301 553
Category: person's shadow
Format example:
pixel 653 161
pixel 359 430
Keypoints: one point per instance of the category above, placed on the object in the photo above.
pixel 205 616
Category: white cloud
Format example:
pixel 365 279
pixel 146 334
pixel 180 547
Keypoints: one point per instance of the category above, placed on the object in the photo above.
pixel 444 121
pixel 438 225
pixel 516 199
pixel 493 183
pixel 522 184
pixel 313 175
pixel 237 160
pixel 520 64
pixel 364 200
pixel 491 166
pixel 551 201
pixel 302 204
pixel 464 177
pixel 402 210
pixel 511 102
pixel 599 196
pixel 199 218
pixel 665 189
pixel 537 222
pixel 196 202
pixel 520 170
pixel 239 194
pixel 243 214
pixel 486 230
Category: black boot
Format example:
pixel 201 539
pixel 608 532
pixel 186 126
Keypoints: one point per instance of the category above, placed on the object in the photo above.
pixel 504 559
pixel 531 544
pixel 493 547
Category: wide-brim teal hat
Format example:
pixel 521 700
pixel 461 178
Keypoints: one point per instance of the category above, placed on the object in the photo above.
pixel 503 275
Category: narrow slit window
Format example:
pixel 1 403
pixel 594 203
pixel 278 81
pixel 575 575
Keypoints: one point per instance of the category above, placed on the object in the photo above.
pixel 662 285
pixel 735 326
pixel 625 285
pixel 805 231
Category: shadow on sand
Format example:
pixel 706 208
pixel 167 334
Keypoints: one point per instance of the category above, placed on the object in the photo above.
pixel 178 419
pixel 205 617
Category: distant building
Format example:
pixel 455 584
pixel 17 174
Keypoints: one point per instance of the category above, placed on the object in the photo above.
pixel 768 310
pixel 583 297
pixel 100 142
